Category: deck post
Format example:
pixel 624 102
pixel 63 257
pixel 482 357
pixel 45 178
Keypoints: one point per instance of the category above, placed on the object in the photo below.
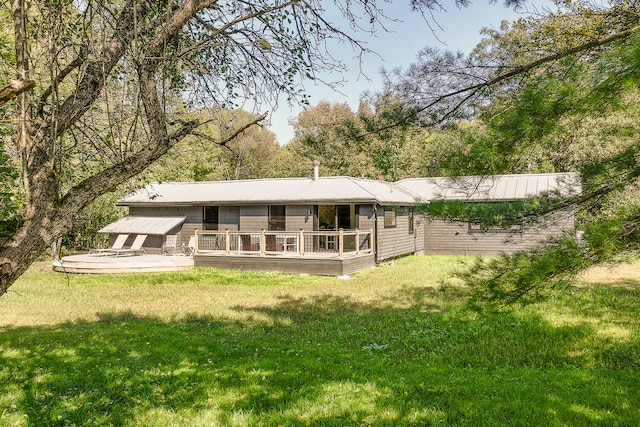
pixel 301 243
pixel 196 241
pixel 263 243
pixel 357 241
pixel 341 243
pixel 227 246
pixel 371 248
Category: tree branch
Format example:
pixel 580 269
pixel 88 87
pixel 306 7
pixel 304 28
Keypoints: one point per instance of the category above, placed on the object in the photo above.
pixel 15 88
pixel 98 69
pixel 216 31
pixel 577 49
pixel 512 73
pixel 76 63
pixel 223 142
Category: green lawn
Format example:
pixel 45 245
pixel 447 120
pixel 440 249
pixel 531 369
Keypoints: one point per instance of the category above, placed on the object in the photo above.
pixel 392 346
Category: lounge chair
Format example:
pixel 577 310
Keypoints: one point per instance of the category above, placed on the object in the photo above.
pixel 135 249
pixel 117 245
pixel 191 247
pixel 170 245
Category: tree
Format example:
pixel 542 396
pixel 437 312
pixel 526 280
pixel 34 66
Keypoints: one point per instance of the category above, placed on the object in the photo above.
pixel 116 81
pixel 546 89
pixel 356 143
pixel 325 132
pixel 252 154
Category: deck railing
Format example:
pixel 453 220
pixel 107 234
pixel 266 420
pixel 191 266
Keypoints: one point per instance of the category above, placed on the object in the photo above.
pixel 339 243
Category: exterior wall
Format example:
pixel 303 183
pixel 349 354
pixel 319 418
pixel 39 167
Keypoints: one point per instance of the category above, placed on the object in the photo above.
pixel 154 244
pixel 298 217
pixel 391 242
pixel 367 218
pixel 457 238
pixel 254 218
pixel 228 218
pixel 396 241
pixel 249 218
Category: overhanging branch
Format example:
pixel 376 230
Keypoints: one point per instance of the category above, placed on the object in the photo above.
pixel 510 74
pixel 15 88
pixel 223 142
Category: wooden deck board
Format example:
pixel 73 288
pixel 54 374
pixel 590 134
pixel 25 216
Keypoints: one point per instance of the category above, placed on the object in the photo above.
pixel 92 264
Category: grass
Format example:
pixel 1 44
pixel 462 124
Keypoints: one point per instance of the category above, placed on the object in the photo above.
pixel 392 346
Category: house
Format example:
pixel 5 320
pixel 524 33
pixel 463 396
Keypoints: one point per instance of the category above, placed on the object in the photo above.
pixel 450 237
pixel 328 225
pixel 331 225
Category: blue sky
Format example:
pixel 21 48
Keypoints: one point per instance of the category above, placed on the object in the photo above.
pixel 459 30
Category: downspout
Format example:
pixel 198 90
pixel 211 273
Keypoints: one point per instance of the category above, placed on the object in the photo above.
pixel 375 233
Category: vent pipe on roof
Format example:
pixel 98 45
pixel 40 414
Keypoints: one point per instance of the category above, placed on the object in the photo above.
pixel 316 170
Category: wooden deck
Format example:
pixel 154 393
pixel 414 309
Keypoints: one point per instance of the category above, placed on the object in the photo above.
pixel 91 264
pixel 318 265
pixel 324 253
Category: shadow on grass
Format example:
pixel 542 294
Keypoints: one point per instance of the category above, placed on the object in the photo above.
pixel 328 361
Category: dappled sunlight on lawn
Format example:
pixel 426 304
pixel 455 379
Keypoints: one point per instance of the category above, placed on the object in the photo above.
pixel 624 275
pixel 324 353
pixel 333 361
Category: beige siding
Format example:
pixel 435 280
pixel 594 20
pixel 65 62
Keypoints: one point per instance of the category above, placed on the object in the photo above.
pixel 367 218
pixel 299 217
pixel 228 218
pixel 456 238
pixel 393 242
pixel 254 218
pixel 187 231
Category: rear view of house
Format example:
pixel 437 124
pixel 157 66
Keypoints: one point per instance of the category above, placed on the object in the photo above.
pixel 332 225
pixel 328 225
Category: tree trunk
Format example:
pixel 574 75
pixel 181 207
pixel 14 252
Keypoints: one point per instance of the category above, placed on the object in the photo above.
pixel 25 246
pixel 48 214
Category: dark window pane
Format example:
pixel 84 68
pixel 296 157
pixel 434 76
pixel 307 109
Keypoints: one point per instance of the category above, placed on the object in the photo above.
pixel 277 218
pixel 210 218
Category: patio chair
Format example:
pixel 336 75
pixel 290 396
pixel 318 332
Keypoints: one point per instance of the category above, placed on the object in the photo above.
pixel 117 244
pixel 135 249
pixel 170 244
pixel 290 242
pixel 191 247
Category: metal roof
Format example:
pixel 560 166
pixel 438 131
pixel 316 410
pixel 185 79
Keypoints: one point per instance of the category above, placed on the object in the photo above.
pixel 273 191
pixel 144 225
pixel 494 187
pixel 333 190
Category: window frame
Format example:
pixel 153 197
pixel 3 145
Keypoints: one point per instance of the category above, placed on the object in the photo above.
pixel 210 225
pixel 390 217
pixel 412 227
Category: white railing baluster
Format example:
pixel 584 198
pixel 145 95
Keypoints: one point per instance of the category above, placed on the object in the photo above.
pixel 301 243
